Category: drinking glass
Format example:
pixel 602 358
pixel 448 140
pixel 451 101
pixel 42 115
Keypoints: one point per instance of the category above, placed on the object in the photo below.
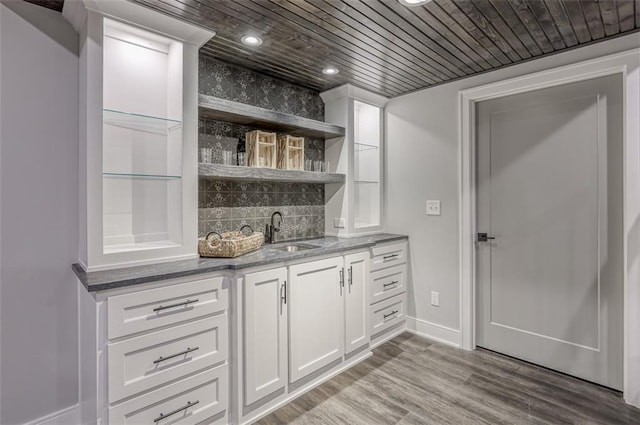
pixel 242 158
pixel 206 155
pixel 227 157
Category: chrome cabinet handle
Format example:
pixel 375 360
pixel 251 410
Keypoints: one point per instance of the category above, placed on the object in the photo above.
pixel 342 277
pixel 384 316
pixel 187 351
pixel 386 257
pixel 163 416
pixel 184 303
pixel 390 283
pixel 283 292
pixel 350 275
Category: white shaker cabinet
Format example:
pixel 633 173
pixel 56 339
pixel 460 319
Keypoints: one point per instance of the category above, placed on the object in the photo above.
pixel 316 316
pixel 388 291
pixel 357 329
pixel 265 333
pixel 156 352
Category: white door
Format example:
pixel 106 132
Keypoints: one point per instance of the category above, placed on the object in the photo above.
pixel 265 333
pixel 550 285
pixel 316 320
pixel 356 301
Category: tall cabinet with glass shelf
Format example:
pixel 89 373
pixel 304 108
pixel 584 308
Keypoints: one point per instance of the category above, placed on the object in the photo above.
pixel 355 208
pixel 138 134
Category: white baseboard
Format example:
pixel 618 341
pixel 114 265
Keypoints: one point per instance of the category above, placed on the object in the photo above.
pixel 434 331
pixel 67 416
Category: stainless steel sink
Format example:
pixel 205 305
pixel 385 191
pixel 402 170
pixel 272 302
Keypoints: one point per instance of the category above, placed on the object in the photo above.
pixel 294 247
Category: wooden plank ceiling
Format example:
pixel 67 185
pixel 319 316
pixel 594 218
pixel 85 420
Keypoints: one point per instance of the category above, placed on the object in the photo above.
pixel 392 49
pixel 49 4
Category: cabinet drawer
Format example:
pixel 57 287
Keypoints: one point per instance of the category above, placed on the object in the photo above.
pixel 144 362
pixel 385 256
pixel 388 313
pixel 154 308
pixel 387 283
pixel 204 396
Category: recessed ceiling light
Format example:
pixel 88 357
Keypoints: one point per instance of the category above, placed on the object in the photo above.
pixel 251 40
pixel 330 71
pixel 411 3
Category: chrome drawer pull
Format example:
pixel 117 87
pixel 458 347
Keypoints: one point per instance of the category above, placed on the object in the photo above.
pixel 384 316
pixel 390 283
pixel 185 303
pixel 189 404
pixel 386 257
pixel 187 351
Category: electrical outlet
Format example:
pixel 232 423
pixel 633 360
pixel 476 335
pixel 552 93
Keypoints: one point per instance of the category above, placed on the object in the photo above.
pixel 339 223
pixel 435 299
pixel 433 207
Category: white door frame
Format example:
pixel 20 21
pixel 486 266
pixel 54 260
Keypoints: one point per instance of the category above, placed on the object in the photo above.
pixel 626 64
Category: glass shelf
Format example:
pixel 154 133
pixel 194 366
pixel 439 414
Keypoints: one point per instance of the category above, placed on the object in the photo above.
pixel 364 146
pixel 142 176
pixel 140 122
pixel 366 181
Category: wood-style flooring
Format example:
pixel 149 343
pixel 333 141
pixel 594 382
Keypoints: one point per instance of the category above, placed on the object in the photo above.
pixel 411 380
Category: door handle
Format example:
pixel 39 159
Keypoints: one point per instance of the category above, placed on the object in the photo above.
pixel 342 277
pixel 350 276
pixel 483 237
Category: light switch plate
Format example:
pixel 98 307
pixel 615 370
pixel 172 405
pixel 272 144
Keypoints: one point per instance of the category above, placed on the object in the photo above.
pixel 339 223
pixel 433 207
pixel 435 299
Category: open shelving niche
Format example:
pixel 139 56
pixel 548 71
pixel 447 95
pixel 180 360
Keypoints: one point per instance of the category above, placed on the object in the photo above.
pixel 137 135
pixel 260 118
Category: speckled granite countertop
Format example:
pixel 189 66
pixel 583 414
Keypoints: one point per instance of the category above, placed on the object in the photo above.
pixel 108 279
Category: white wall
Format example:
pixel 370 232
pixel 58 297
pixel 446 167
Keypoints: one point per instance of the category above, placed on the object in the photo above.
pixel 39 221
pixel 422 163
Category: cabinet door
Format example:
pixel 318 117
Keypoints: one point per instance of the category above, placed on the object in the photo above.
pixel 316 316
pixel 265 334
pixel 356 301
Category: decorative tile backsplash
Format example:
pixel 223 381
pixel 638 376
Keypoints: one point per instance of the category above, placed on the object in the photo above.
pixel 229 205
pixel 226 205
pixel 232 82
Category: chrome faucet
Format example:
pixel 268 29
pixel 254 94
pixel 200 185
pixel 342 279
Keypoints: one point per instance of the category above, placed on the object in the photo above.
pixel 269 235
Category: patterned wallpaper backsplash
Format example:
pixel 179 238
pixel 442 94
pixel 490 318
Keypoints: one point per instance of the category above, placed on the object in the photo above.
pixel 226 205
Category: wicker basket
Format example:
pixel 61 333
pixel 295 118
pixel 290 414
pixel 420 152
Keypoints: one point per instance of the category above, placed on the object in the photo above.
pixel 229 244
